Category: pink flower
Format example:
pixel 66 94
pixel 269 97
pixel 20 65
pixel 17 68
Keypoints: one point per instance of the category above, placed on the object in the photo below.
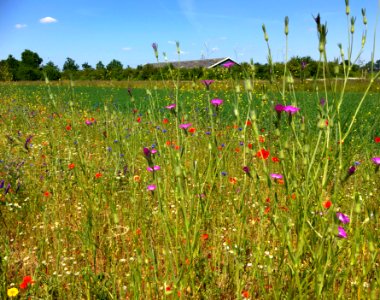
pixel 291 109
pixel 151 187
pixel 376 160
pixel 155 168
pixel 228 64
pixel 343 218
pixel 216 102
pixel 342 233
pixel 279 108
pixel 171 106
pixel 276 176
pixel 185 126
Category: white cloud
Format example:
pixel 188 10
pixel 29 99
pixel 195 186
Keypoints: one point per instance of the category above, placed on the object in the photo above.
pixel 171 42
pixel 20 26
pixel 47 20
pixel 126 49
pixel 214 49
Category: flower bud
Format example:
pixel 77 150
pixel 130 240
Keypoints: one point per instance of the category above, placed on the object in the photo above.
pixel 286 25
pixel 265 33
pixel 347 7
pixel 364 17
pixel 353 19
pixel 178 48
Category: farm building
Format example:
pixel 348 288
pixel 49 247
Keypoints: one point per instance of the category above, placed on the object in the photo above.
pixel 201 63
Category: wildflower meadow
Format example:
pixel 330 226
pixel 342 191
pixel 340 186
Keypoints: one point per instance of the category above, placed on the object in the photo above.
pixel 237 189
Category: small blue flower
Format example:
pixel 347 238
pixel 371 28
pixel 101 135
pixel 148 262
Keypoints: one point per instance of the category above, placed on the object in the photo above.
pixel 224 173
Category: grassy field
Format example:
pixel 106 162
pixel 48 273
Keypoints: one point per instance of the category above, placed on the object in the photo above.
pixel 114 194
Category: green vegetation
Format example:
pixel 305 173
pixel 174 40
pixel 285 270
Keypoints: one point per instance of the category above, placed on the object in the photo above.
pixel 181 190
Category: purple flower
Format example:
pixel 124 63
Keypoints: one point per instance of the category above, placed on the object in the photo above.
pixel 228 64
pixel 171 106
pixel 376 160
pixel 216 102
pixel 291 109
pixel 147 152
pixel 185 126
pixel 343 218
pixel 322 102
pixel 155 168
pixel 151 187
pixel 246 169
pixel 2 184
pixel 279 108
pixel 207 82
pixel 342 233
pixel 155 47
pixel 276 176
pixel 303 64
pixel 351 170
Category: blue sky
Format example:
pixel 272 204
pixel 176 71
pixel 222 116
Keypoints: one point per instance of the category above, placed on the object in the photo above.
pixel 93 30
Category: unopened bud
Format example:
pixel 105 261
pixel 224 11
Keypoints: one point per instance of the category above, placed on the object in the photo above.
pixel 347 7
pixel 265 33
pixel 364 38
pixel 353 19
pixel 286 25
pixel 178 48
pixel 364 17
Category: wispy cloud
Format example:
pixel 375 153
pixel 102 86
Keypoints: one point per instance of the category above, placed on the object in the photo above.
pixel 48 20
pixel 126 48
pixel 20 26
pixel 171 42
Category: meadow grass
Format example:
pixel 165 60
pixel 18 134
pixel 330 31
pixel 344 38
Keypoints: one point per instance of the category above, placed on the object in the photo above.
pixel 170 193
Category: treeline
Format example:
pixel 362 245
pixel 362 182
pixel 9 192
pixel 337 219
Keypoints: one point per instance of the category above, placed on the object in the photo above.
pixel 31 68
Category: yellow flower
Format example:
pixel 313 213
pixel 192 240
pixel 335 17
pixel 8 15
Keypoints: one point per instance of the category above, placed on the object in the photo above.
pixel 12 292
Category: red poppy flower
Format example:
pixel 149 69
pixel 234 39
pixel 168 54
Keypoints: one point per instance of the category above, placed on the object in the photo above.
pixel 248 123
pixel 245 294
pixel 165 121
pixel 192 130
pixel 138 120
pixel 250 146
pixel 46 194
pixel 261 139
pixel 264 154
pixel 377 139
pixel 204 237
pixel 98 175
pixel 68 127
pixel 327 204
pixel 71 166
pixel 275 159
pixel 26 281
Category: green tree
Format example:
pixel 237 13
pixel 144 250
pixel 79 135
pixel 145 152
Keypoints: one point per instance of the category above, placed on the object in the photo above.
pixel 30 66
pixel 100 71
pixel 51 71
pixel 115 70
pixel 70 68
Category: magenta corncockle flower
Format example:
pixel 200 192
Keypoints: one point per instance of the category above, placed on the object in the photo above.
pixel 279 108
pixel 185 126
pixel 228 64
pixel 291 109
pixel 155 46
pixel 276 176
pixel 216 102
pixel 207 82
pixel 171 106
pixel 151 187
pixel 342 233
pixel 147 152
pixel 155 168
pixel 153 151
pixel 351 170
pixel 343 218
pixel 246 169
pixel 376 160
